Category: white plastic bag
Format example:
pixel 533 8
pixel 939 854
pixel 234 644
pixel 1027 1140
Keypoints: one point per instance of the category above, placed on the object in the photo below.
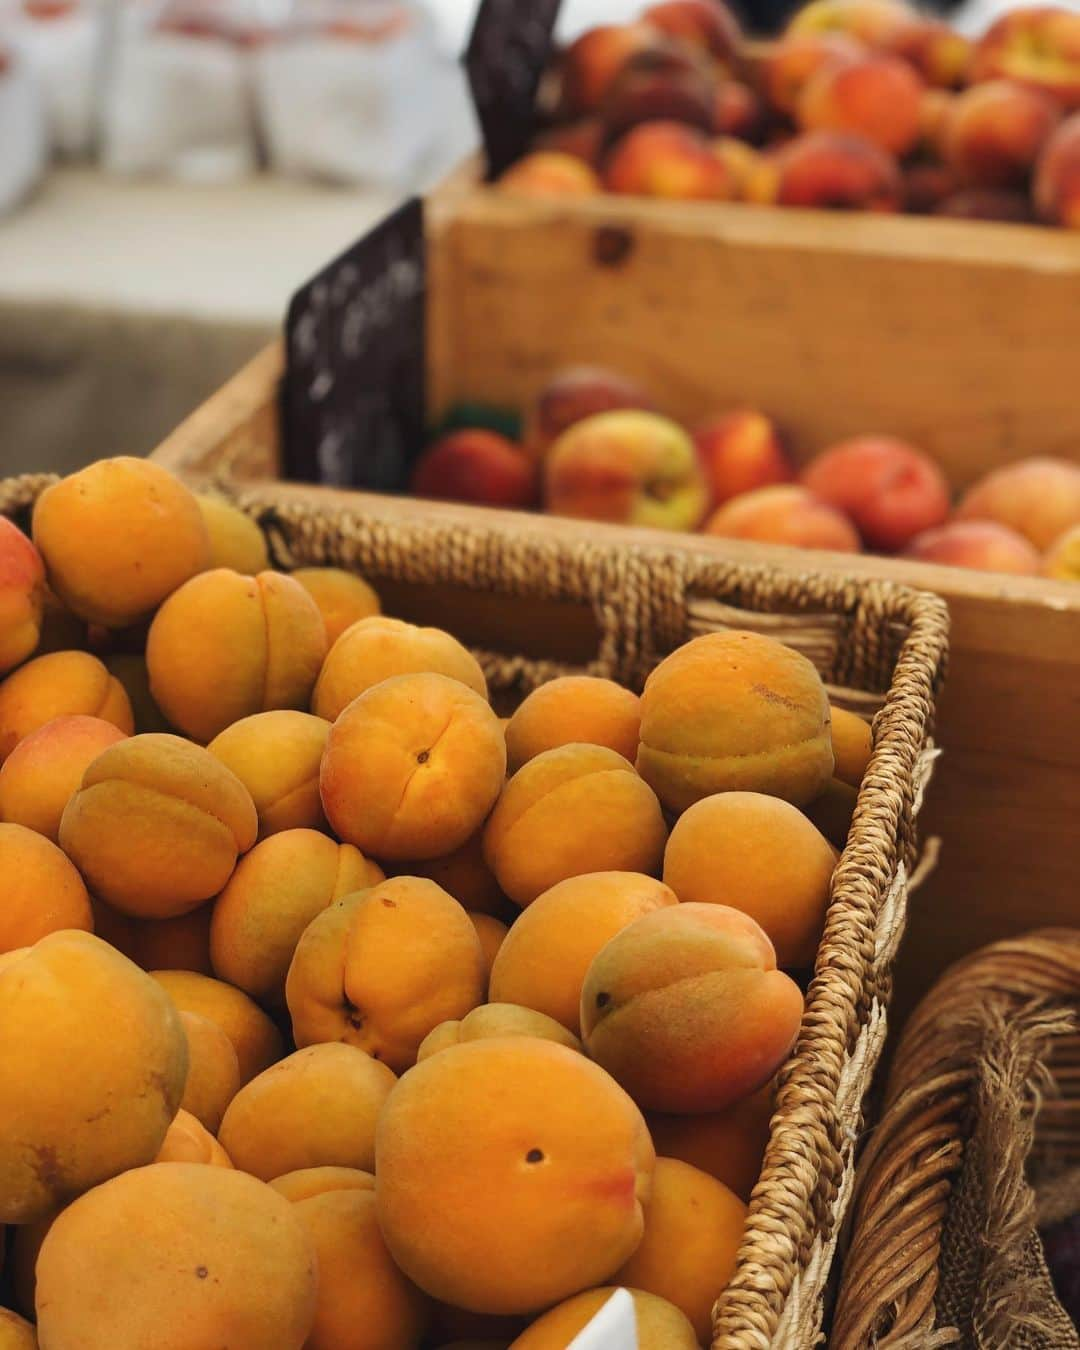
pixel 63 43
pixel 23 138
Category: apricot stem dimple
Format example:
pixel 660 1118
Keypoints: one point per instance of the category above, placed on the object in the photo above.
pixel 534 1155
pixel 353 1015
pixel 423 756
pixel 602 1000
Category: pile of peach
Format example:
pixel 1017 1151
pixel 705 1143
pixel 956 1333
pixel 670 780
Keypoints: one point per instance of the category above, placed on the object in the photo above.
pixel 361 1028
pixel 593 446
pixel 861 105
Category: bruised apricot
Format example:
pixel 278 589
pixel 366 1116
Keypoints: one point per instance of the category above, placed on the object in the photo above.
pixel 659 1324
pixel 46 768
pixel 574 709
pixel 42 891
pixel 235 540
pixel 254 1036
pixel 276 755
pixel 343 598
pixel 187 1140
pixel 496 1019
pixel 213 1078
pixel 60 684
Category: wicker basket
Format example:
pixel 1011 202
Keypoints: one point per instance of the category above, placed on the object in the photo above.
pixel 879 647
pixel 978 1142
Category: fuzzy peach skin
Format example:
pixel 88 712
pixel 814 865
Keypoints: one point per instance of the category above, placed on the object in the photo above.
pixel 476 465
pixel 875 95
pixel 853 743
pixel 343 597
pixel 276 755
pixel 377 648
pixel 686 1009
pixel 225 646
pixel 590 64
pixel 157 825
pixel 492 935
pixel 761 855
pixel 546 955
pixel 1062 561
pixel 43 771
pixel 70 1000
pixel 365 1302
pixel 235 540
pixel 993 133
pixel 791 62
pixel 42 891
pixel 492 1020
pixel 740 451
pixel 412 767
pixel 383 967
pixel 872 22
pixel 571 395
pixel 1057 176
pixel 834 170
pixel 315 1108
pixel 734 711
pixel 729 1144
pixel 463 873
pixel 666 159
pixel 784 514
pixel 1038 46
pixel 15 1332
pixel 187 1140
pixel 659 1324
pixel 275 892
pixel 1038 498
pixel 22 596
pixel 118 537
pixel 575 809
pixel 549 173
pixel 510 1173
pixel 219 1258
pixel 61 684
pixel 982 544
pixel 253 1036
pixel 213 1071
pixel 573 709
pixel 182 943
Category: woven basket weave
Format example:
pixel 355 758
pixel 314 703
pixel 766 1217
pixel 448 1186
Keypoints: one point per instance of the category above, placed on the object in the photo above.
pixel 879 647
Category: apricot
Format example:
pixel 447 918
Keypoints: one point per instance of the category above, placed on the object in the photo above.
pixel 659 1324
pixel 686 1009
pixel 734 711
pixel 574 709
pixel 476 465
pixel 15 1332
pixel 46 768
pixel 71 1000
pixel 157 826
pixel 213 1071
pixel 343 597
pixel 235 540
pixel 571 810
pixel 383 967
pixel 60 684
pixel 375 649
pixel 546 955
pixel 1038 498
pixel 217 1254
pixel 836 170
pixel 940 54
pixel 254 1037
pixel 784 514
pixel 590 64
pixel 412 767
pixel 1038 47
pixel 1062 561
pixel 666 159
pixel 545 173
pixel 571 395
pixel 693 1230
pixel 729 1145
pixel 510 1173
pixel 118 537
pixel 129 668
pixel 872 95
pixel 497 1019
pixel 275 892
pixel 790 63
pixel 492 934
pixel 42 891
pixel 852 743
pixel 22 596
pixel 832 811
pixel 276 755
pixel 463 873
pixel 762 856
pixel 225 646
pixel 1057 176
pixel 738 111
pixel 188 1141
pixel 365 1303
pixel 993 133
pixel 746 166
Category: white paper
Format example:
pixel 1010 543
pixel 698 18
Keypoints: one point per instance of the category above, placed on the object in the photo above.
pixel 613 1328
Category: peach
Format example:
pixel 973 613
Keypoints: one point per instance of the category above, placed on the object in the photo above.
pixel 734 711
pixel 475 466
pixel 927 186
pixel 583 139
pixel 496 1019
pixel 225 646
pixel 235 540
pixel 157 825
pixel 276 755
pixel 666 159
pixel 741 451
pixel 876 96
pixel 572 810
pixel 1038 498
pixel 129 669
pixel 660 84
pixel 832 810
pixel 45 769
pixel 784 514
pixel 253 1035
pixel 571 395
pixel 510 1173
pixel 590 64
pixel 629 467
pixel 1038 47
pixel 182 943
pixel 374 649
pixel 693 1230
pixel 1057 176
pixel 188 1141
pixel 343 598
pixel 22 596
pixel 976 543
pixel 729 1145
pixel 747 167
pixel 383 967
pixel 853 743
pixel 464 873
pixel 993 133
pixel 118 537
pixel 541 173
pixel 43 892
pixel 1010 208
pixel 940 54
pixel 789 64
pixel 707 24
pixel 364 1303
pixel 275 892
pixel 315 1108
pixel 1062 561
pixel 762 856
pixel 738 111
pixel 60 684
pixel 686 1009
pixel 492 934
pixel 70 1000
pixel 872 22
pixel 837 170
pixel 574 708
pixel 217 1254
pixel 659 1324
pixel 543 962
pixel 213 1071
pixel 889 489
pixel 412 767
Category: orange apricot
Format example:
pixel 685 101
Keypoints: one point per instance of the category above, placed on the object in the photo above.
pixel 729 1144
pixel 15 1332
pixel 254 1037
pixel 496 1019
pixel 46 768
pixel 187 1140
pixel 276 755
pixel 42 891
pixel 464 873
pixel 491 933
pixel 852 743
pixel 343 598
pixel 58 685
pixel 235 540
pixel 213 1071
pixel 574 709
pixel 22 596
pixel 660 1325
